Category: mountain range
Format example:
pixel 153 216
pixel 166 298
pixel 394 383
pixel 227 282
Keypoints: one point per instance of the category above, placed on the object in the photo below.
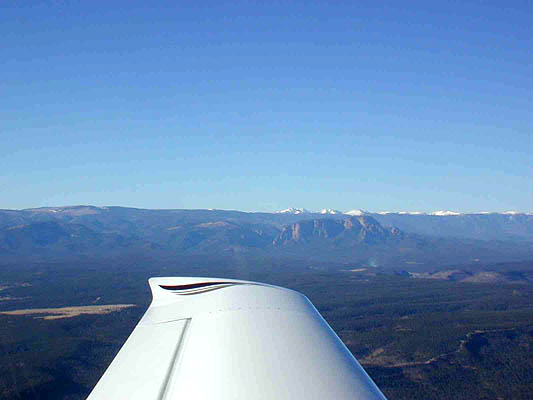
pixel 357 211
pixel 509 225
pixel 360 238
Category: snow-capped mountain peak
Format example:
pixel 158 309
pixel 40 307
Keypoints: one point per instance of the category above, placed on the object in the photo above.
pixel 330 211
pixel 356 212
pixel 293 210
pixel 444 213
pixel 401 212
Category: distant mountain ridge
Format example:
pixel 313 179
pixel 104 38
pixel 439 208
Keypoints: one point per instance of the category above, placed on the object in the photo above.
pixel 479 226
pixel 508 225
pixel 382 238
pixel 295 211
pixel 88 209
pixel 357 211
pixel 330 211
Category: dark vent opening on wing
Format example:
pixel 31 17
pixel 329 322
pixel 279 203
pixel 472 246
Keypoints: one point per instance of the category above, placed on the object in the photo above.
pixel 196 285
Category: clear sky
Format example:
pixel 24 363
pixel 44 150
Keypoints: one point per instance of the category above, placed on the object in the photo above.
pixel 380 105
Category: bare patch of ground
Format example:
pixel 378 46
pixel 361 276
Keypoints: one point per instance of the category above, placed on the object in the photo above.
pixel 380 358
pixel 9 298
pixel 68 312
pixel 373 355
pixel 216 224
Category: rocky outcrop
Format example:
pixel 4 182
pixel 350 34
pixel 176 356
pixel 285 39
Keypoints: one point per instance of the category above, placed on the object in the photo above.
pixel 362 229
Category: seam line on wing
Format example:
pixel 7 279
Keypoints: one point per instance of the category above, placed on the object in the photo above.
pixel 170 320
pixel 165 387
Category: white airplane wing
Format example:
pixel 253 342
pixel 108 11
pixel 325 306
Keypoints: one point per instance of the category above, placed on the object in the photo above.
pixel 204 338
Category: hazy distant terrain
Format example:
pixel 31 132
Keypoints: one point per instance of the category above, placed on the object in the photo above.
pixel 482 226
pixel 411 242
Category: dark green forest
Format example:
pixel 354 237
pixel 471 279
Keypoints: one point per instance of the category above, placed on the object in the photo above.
pixel 417 338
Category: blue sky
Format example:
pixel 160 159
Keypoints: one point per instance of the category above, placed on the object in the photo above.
pixel 266 105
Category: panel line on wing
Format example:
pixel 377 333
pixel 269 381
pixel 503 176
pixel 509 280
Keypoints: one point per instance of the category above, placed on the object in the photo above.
pixel 173 366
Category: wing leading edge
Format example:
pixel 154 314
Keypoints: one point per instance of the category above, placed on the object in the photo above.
pixel 224 339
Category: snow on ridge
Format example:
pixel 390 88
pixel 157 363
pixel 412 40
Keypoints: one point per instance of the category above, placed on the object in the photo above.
pixel 444 213
pixel 293 210
pixel 401 212
pixel 330 211
pixel 510 212
pixel 357 212
pixel 296 211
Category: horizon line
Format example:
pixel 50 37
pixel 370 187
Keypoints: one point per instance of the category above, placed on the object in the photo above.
pixel 290 210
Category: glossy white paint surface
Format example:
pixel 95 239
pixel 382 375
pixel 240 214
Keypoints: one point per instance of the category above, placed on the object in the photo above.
pixel 244 341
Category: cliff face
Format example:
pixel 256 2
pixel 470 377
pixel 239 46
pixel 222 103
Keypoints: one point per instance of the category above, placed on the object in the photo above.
pixel 362 229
